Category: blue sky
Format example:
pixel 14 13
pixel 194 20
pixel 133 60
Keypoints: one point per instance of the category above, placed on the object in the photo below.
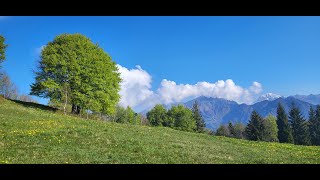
pixel 281 53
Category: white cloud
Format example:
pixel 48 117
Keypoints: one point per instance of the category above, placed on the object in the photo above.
pixel 135 87
pixel 136 90
pixel 170 92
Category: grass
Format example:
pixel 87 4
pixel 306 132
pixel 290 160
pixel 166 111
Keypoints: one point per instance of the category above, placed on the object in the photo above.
pixel 34 134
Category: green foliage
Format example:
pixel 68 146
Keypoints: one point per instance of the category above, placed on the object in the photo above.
pixel 73 68
pixel 200 124
pixel 30 135
pixel 239 131
pixel 126 115
pixel 157 116
pixel 314 125
pixel 3 47
pixel 183 118
pixel 223 131
pixel 254 129
pixel 270 129
pixel 284 130
pixel 231 130
pixel 130 115
pixel 299 126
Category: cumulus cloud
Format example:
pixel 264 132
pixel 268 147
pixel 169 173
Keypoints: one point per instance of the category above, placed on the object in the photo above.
pixel 136 90
pixel 135 86
pixel 170 92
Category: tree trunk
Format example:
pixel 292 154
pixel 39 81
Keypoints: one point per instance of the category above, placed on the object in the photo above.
pixel 74 109
pixel 65 104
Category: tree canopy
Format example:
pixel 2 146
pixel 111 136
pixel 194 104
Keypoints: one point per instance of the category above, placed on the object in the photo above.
pixel 73 70
pixel 3 47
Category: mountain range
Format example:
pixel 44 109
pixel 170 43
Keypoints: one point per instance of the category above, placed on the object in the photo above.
pixel 217 111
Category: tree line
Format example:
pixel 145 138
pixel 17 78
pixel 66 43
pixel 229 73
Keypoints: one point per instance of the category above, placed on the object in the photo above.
pixel 284 128
pixel 178 117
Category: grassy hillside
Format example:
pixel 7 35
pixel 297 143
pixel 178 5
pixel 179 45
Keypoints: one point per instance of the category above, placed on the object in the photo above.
pixel 33 134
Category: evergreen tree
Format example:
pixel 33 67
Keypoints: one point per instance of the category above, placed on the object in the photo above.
pixel 299 126
pixel 200 125
pixel 231 130
pixel 73 68
pixel 254 128
pixel 314 125
pixel 284 130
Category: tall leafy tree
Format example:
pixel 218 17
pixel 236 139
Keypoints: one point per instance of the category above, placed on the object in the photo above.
pixel 270 129
pixel 3 47
pixel 183 119
pixel 254 128
pixel 157 116
pixel 299 126
pixel 284 130
pixel 314 125
pixel 200 124
pixel 75 71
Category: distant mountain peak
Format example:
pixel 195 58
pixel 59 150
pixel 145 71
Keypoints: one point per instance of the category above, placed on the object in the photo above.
pixel 268 97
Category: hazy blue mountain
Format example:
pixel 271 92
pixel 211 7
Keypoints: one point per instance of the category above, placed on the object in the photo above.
pixel 312 98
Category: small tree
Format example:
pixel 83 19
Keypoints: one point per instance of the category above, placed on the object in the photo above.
pixel 8 89
pixel 183 119
pixel 284 130
pixel 157 115
pixel 222 131
pixel 254 128
pixel 270 129
pixel 239 130
pixel 299 126
pixel 200 124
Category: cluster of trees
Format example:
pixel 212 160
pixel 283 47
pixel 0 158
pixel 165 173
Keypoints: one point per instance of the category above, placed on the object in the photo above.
pixel 8 89
pixel 74 72
pixel 177 117
pixel 127 115
pixel 283 128
pixel 263 129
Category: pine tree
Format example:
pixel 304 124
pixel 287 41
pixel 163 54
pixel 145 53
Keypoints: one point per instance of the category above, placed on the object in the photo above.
pixel 284 130
pixel 254 128
pixel 231 130
pixel 200 124
pixel 299 127
pixel 314 125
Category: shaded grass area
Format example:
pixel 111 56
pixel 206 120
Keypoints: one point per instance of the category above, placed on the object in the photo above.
pixel 29 134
